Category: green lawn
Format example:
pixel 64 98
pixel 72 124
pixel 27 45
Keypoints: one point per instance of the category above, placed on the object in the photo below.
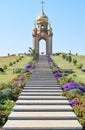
pixel 8 74
pixel 62 63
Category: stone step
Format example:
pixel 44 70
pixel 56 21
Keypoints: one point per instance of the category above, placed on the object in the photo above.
pixel 42 76
pixel 39 90
pixel 42 125
pixel 42 108
pixel 43 79
pixel 42 102
pixel 48 83
pixel 42 98
pixel 38 70
pixel 42 83
pixel 42 116
pixel 42 88
pixel 41 93
pixel 43 72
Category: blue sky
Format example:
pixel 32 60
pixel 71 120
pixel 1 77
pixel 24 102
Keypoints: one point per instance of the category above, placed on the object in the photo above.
pixel 17 21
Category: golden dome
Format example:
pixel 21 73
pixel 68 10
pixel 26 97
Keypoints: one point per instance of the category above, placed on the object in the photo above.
pixel 42 17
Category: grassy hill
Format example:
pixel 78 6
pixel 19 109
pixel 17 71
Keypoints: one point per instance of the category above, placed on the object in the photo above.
pixel 12 62
pixel 62 63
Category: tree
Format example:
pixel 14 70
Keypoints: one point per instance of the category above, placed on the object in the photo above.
pixel 34 53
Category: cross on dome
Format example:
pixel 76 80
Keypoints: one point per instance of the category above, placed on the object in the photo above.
pixel 42 17
pixel 42 5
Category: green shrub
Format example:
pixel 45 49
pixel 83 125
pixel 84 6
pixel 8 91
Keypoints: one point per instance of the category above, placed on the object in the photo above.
pixel 54 64
pixel 21 57
pixel 65 80
pixel 17 70
pixel 79 66
pixel 17 84
pixel 4 67
pixel 66 58
pixel 74 61
pixel 15 93
pixel 74 92
pixel 14 62
pixel 6 92
pixel 10 64
pixel 69 58
pixel 63 55
pixel 24 70
pixel 5 110
pixel 65 74
pixel 17 60
pixel 3 86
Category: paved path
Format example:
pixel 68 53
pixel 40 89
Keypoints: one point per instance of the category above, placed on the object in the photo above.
pixel 41 106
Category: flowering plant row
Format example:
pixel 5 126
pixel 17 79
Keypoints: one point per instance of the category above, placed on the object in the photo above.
pixel 57 73
pixel 9 92
pixel 74 92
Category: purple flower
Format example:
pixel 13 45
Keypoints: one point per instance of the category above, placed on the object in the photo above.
pixel 32 67
pixel 29 67
pixel 74 102
pixel 58 75
pixel 49 59
pixel 73 85
pixel 21 79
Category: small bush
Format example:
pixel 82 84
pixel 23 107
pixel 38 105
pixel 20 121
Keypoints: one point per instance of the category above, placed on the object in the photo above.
pixel 21 57
pixel 17 60
pixel 74 61
pixel 3 86
pixel 65 80
pixel 17 84
pixel 5 110
pixel 69 58
pixel 74 92
pixel 15 93
pixel 79 66
pixel 17 70
pixel 5 67
pixel 24 70
pixel 65 74
pixel 66 58
pixel 5 94
pixel 10 64
pixel 63 55
pixel 14 62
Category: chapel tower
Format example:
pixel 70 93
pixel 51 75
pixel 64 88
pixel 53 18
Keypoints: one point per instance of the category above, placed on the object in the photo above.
pixel 42 30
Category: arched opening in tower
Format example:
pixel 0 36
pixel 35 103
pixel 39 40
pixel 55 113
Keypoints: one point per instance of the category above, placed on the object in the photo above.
pixel 42 47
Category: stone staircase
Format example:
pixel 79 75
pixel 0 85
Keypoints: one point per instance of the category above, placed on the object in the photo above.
pixel 41 106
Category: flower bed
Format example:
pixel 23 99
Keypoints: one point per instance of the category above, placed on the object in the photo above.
pixel 74 92
pixel 9 92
